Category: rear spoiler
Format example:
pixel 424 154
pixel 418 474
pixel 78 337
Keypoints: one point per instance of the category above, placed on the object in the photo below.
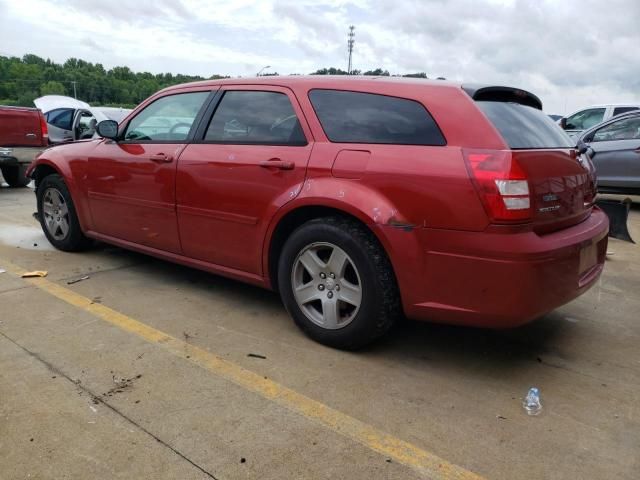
pixel 502 94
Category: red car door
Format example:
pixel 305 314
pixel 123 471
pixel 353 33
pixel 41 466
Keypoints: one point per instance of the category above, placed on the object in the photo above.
pixel 249 160
pixel 132 181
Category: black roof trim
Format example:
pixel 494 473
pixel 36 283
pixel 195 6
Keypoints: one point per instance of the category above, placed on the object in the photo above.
pixel 502 94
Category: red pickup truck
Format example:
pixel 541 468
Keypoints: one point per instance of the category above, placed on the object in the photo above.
pixel 23 134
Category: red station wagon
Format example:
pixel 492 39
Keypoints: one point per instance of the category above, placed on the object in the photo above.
pixel 358 199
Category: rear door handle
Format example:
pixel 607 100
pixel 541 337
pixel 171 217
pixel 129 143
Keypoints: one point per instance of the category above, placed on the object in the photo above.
pixel 277 163
pixel 31 135
pixel 160 158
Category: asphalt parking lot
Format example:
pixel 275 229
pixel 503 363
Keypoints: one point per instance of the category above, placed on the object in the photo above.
pixel 151 370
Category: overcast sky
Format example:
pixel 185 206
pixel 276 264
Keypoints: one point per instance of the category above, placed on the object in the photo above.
pixel 570 53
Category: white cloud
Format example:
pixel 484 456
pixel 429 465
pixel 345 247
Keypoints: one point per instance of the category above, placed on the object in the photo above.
pixel 570 53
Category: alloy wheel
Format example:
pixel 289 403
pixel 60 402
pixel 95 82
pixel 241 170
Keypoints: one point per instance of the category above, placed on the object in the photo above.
pixel 56 213
pixel 326 285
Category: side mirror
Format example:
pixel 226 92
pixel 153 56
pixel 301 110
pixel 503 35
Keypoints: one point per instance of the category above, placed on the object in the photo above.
pixel 563 123
pixel 582 147
pixel 108 129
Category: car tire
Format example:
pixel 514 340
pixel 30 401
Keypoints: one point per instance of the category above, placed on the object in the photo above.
pixel 16 176
pixel 58 217
pixel 347 308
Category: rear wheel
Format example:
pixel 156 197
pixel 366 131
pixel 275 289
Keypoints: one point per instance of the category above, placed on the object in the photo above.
pixel 337 283
pixel 58 217
pixel 16 175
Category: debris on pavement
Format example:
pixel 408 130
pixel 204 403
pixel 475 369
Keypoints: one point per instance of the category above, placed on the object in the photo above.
pixel 71 282
pixel 531 402
pixel 256 355
pixel 35 274
pixel 121 385
pixel 2 270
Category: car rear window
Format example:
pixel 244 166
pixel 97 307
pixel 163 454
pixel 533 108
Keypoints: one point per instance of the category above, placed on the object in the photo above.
pixel 525 127
pixel 355 117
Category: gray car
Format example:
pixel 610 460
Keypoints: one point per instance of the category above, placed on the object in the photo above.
pixel 614 148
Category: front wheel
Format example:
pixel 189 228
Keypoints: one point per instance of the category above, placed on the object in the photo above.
pixel 58 216
pixel 337 283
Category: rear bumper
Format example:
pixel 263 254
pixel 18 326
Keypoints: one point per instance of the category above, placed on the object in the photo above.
pixel 496 279
pixel 10 156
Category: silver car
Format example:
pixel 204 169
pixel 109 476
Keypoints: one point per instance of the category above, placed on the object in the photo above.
pixel 614 148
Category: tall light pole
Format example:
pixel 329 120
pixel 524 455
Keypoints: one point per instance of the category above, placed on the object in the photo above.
pixel 350 42
pixel 74 89
pixel 261 70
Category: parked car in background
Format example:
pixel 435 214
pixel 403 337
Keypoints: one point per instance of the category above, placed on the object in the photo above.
pixel 586 118
pixel 357 199
pixel 70 119
pixel 23 134
pixel 615 152
pixel 114 113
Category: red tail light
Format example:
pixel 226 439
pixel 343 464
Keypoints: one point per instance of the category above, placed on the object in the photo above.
pixel 44 129
pixel 501 183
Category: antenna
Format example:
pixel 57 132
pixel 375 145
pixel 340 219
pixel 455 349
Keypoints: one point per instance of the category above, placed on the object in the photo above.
pixel 350 42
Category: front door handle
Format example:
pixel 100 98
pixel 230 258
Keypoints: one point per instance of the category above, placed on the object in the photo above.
pixel 160 158
pixel 277 163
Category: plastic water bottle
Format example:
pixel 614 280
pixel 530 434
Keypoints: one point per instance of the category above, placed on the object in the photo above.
pixel 531 402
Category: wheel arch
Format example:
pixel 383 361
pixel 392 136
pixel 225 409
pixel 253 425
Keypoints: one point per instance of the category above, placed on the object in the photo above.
pixel 295 216
pixel 43 167
pixel 42 170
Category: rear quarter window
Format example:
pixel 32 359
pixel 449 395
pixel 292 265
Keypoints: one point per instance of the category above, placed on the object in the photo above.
pixel 524 127
pixel 355 117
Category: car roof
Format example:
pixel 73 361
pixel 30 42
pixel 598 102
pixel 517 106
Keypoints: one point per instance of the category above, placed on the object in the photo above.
pixel 605 105
pixel 318 80
pixel 475 91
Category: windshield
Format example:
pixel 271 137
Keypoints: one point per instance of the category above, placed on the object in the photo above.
pixel 525 127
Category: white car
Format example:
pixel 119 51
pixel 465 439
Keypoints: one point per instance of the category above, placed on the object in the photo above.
pixel 586 118
pixel 69 119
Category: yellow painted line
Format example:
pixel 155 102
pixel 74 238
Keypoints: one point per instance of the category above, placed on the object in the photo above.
pixel 426 463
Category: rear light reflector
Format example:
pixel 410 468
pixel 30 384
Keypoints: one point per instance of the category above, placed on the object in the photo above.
pixel 44 129
pixel 516 203
pixel 513 187
pixel 501 184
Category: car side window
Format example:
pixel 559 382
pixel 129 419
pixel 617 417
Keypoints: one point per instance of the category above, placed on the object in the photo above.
pixel 585 119
pixel 624 129
pixel 255 117
pixel 61 118
pixel 354 117
pixel 168 119
pixel 620 110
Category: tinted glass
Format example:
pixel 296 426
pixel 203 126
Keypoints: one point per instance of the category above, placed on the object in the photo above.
pixel 167 119
pixel 619 110
pixel 625 129
pixel 61 118
pixel 525 127
pixel 250 117
pixel 585 119
pixel 353 117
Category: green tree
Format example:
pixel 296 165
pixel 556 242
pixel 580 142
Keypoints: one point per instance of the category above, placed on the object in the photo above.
pixel 330 71
pixel 416 75
pixel 52 88
pixel 378 72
